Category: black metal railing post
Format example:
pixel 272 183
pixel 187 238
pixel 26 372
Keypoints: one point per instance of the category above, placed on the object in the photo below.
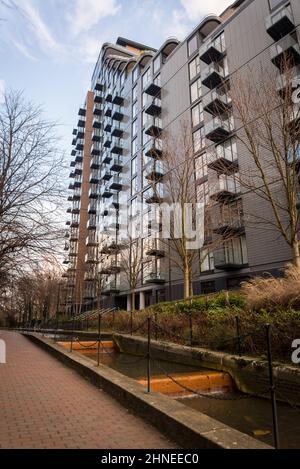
pixel 72 337
pixel 272 387
pixel 149 356
pixel 191 328
pixel 99 339
pixel 238 336
pixel 131 322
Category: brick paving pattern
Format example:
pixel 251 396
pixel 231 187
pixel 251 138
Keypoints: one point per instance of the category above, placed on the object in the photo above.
pixel 44 404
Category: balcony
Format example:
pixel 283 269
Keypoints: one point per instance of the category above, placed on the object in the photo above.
pixel 91 241
pixel 116 183
pixel 80 133
pixel 77 194
pixel 212 52
pixel 153 197
pixel 154 172
pixel 114 245
pixel 106 192
pixel 217 130
pixel 153 127
pixel 94 177
pixel 107 141
pixel 285 53
pixel 90 259
pixel 72 175
pixel 154 249
pixel 81 122
pixel 114 202
pixel 96 137
pixel 96 123
pixel 106 158
pixel 73 152
pixel 224 162
pixel 117 148
pixel 153 89
pixel 226 189
pixel 82 112
pixel 70 198
pixel 92 209
pixel 73 254
pixel 280 23
pixel 118 99
pixel 112 288
pixel 285 81
pixel 79 145
pixel 114 267
pixel 117 164
pixel 95 162
pixel 117 116
pixel 216 103
pixel 107 111
pixel 108 96
pixel 117 131
pixel 153 148
pixel 74 236
pixel 77 183
pixel 95 151
pixel 108 127
pixel 156 277
pixel 153 107
pixel 79 157
pixel 93 192
pixel 98 98
pixel 75 210
pixel 71 186
pixel 92 223
pixel 229 227
pixel 78 170
pixel 227 258
pixel 74 224
pixel 97 110
pixel 99 86
pixel 213 76
pixel 106 174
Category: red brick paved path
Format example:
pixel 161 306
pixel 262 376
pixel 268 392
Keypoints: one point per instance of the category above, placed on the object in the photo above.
pixel 44 404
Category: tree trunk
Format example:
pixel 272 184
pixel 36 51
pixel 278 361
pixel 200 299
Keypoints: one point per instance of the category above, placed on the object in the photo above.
pixel 296 253
pixel 133 301
pixel 186 275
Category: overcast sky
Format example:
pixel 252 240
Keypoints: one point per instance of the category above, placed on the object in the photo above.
pixel 48 47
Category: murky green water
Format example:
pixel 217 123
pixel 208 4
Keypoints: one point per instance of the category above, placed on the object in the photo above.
pixel 252 416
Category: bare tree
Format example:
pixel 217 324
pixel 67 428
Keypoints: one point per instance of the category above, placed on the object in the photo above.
pixel 30 175
pixel 132 259
pixel 190 239
pixel 268 118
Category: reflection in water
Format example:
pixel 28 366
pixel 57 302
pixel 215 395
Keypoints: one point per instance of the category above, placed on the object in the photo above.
pixel 252 416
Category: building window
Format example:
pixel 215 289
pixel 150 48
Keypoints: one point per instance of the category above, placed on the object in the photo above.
pixel 156 64
pixel 275 3
pixel 201 166
pixel 198 140
pixel 194 67
pixel 134 186
pixel 197 114
pixel 146 138
pixel 146 78
pixel 144 99
pixel 135 74
pixel 134 146
pixel 145 181
pixel 208 287
pixel 133 166
pixel 195 90
pixel 134 93
pixel 228 149
pixel 134 127
pixel 193 45
pixel 207 261
pixel 134 109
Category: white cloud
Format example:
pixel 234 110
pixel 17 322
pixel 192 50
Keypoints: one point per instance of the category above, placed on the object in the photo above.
pixel 89 49
pixel 2 90
pixel 39 28
pixel 196 9
pixel 24 50
pixel 88 13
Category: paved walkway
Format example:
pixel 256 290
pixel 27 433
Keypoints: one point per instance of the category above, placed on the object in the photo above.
pixel 44 404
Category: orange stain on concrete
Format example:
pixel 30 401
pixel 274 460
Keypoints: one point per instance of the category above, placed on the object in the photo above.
pixel 88 346
pixel 198 381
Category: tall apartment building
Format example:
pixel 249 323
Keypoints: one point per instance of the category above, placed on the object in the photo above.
pixel 138 93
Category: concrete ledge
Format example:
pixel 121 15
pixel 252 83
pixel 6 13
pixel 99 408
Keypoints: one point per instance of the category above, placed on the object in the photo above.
pixel 68 332
pixel 188 428
pixel 250 374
